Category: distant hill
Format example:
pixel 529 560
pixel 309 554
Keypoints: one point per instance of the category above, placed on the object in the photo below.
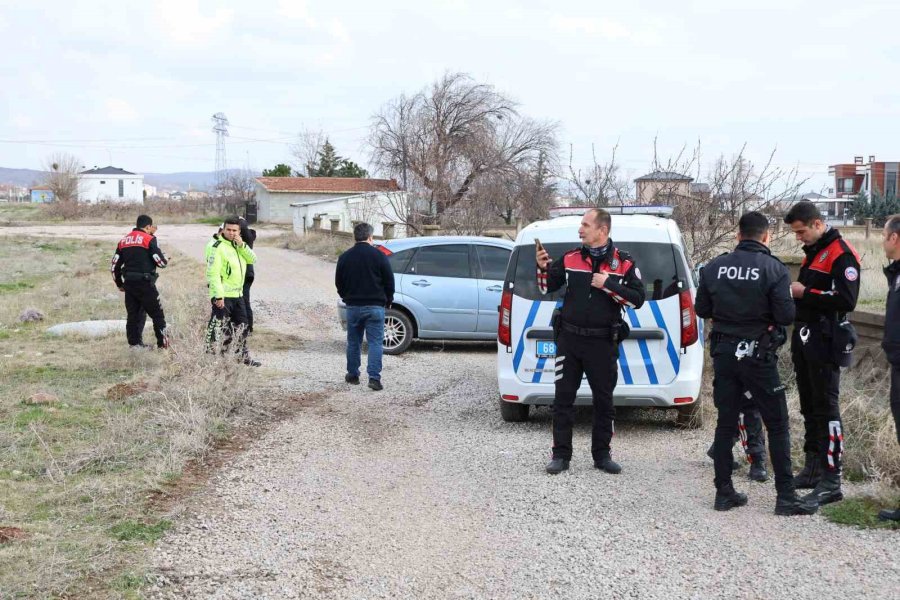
pixel 164 181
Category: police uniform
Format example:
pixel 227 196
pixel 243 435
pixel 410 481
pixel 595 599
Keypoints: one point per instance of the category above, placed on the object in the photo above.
pixel 133 267
pixel 249 237
pixel 747 295
pixel 587 343
pixel 225 272
pixel 830 275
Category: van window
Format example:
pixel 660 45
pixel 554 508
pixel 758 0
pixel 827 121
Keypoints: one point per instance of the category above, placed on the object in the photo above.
pixel 399 260
pixel 661 266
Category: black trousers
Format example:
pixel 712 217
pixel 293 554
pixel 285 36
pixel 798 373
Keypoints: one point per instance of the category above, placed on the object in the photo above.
pixel 228 325
pixel 895 397
pixel 595 357
pixel 818 384
pixel 141 301
pixel 247 283
pixel 732 378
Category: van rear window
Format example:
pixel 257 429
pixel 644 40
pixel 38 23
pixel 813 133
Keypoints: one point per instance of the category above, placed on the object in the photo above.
pixel 661 266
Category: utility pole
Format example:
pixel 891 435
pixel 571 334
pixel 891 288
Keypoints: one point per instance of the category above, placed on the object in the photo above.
pixel 220 128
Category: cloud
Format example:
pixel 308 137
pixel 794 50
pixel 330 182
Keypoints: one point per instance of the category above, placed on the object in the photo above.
pixel 183 22
pixel 606 28
pixel 120 111
pixel 21 121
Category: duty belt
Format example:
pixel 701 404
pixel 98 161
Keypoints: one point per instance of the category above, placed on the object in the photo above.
pixel 603 332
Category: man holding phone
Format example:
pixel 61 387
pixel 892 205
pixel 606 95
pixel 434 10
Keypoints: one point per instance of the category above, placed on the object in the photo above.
pixel 226 269
pixel 600 281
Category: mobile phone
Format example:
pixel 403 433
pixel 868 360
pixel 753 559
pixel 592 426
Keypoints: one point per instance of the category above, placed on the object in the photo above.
pixel 538 245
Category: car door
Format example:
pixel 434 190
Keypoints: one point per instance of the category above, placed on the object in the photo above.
pixel 440 282
pixel 492 262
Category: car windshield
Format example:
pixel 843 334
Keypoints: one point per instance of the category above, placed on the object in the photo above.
pixel 661 267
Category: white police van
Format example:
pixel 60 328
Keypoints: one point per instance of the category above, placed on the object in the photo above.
pixel 661 362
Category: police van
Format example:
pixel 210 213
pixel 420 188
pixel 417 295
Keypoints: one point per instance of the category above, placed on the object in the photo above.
pixel 661 362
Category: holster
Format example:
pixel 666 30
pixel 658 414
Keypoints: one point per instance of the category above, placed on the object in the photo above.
pixel 136 276
pixel 555 323
pixel 767 344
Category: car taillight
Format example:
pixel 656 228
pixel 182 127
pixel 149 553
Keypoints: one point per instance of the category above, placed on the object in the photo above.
pixel 504 335
pixel 689 328
pixel 385 250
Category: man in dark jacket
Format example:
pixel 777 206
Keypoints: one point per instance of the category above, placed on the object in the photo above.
pixel 249 237
pixel 891 341
pixel 747 295
pixel 365 283
pixel 825 291
pixel 600 281
pixel 133 267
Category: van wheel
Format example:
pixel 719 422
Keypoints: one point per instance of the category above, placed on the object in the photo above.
pixel 513 412
pixel 398 332
pixel 690 416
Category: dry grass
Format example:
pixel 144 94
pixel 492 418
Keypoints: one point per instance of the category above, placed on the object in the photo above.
pixel 74 473
pixel 171 211
pixel 321 245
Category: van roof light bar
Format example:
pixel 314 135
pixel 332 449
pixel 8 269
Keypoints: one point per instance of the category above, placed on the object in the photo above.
pixel 656 211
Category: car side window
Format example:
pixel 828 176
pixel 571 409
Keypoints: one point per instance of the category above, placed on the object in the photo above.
pixel 450 260
pixel 493 261
pixel 399 260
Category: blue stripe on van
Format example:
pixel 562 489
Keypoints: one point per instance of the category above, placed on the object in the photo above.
pixel 623 364
pixel 539 369
pixel 670 346
pixel 520 347
pixel 645 352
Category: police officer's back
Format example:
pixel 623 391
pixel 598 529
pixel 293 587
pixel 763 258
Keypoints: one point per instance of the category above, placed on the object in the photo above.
pixel 133 267
pixel 747 295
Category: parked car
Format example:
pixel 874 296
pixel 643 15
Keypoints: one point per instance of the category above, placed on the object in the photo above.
pixel 661 362
pixel 447 287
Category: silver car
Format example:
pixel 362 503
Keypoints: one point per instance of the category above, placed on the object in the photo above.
pixel 446 287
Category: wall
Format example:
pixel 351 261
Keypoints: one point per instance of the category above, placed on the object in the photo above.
pixel 96 188
pixel 374 209
pixel 276 207
pixel 662 192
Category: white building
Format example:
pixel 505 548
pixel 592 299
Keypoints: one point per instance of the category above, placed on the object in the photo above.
pixel 110 184
pixel 150 191
pixel 276 196
pixel 382 210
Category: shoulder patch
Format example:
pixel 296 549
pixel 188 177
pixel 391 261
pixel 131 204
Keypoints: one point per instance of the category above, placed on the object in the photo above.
pixel 216 243
pixel 851 274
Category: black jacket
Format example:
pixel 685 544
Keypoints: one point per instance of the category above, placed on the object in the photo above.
pixel 364 277
pixel 830 273
pixel 137 255
pixel 249 236
pixel 589 307
pixel 745 291
pixel 891 340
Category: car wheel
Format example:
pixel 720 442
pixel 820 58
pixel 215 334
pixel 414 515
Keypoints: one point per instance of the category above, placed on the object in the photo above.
pixel 690 416
pixel 513 412
pixel 398 332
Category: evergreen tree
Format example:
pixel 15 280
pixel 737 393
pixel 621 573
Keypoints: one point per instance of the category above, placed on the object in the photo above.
pixel 329 162
pixel 279 170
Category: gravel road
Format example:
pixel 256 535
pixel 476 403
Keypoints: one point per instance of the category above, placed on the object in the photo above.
pixel 421 491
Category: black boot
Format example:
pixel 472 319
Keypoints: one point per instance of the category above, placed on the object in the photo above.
pixel 889 515
pixel 557 465
pixel 828 490
pixel 758 468
pixel 609 465
pixel 727 498
pixel 790 504
pixel 811 473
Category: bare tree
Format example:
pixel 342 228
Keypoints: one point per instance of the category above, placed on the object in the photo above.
pixel 708 217
pixel 238 188
pixel 62 176
pixel 306 151
pixel 600 183
pixel 442 140
pixel 525 192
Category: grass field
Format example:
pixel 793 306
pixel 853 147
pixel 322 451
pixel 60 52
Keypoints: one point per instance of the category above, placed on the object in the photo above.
pixel 76 472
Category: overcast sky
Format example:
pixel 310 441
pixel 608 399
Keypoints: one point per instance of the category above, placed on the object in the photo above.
pixel 135 83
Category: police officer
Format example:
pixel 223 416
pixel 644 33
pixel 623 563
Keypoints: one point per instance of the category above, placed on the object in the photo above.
pixel 601 280
pixel 747 295
pixel 133 267
pixel 826 289
pixel 891 342
pixel 225 271
pixel 249 237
